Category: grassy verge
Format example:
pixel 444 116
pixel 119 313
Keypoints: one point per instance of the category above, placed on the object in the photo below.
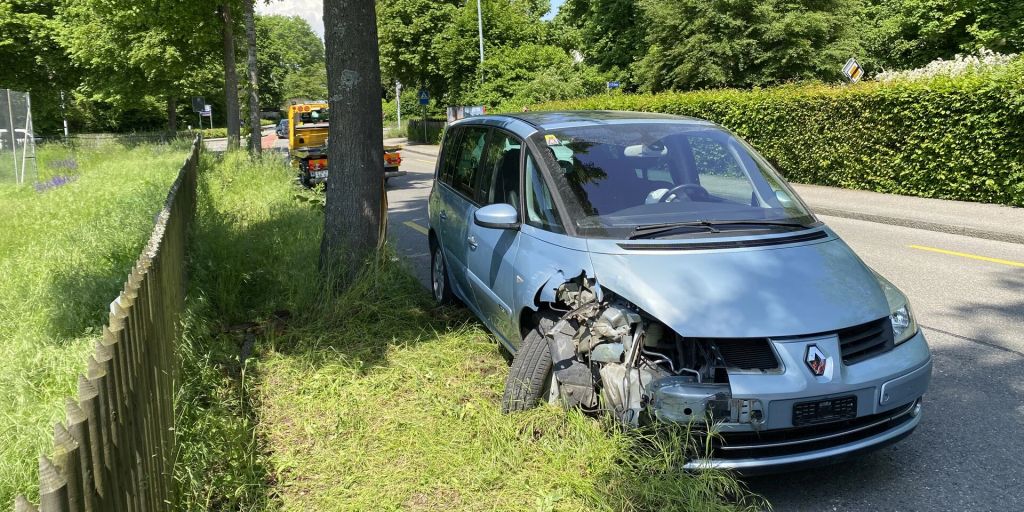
pixel 253 244
pixel 65 251
pixel 375 399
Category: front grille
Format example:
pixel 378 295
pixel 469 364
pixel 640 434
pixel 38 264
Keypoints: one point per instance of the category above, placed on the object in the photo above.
pixel 824 411
pixel 864 341
pixel 746 353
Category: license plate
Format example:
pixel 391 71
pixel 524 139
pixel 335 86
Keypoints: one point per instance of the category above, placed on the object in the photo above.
pixel 824 411
pixel 319 174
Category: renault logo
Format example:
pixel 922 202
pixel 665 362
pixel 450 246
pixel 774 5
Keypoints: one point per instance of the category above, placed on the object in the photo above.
pixel 816 360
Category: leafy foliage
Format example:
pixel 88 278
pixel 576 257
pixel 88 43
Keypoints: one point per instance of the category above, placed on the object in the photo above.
pixel 290 58
pixel 696 44
pixel 958 137
pixel 608 33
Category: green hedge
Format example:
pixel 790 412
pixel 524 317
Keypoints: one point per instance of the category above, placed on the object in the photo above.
pixel 435 129
pixel 947 137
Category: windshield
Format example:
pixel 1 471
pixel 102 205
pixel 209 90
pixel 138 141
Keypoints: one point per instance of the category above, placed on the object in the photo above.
pixel 317 115
pixel 620 178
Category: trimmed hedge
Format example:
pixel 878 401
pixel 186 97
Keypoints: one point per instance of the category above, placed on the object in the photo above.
pixel 946 137
pixel 435 129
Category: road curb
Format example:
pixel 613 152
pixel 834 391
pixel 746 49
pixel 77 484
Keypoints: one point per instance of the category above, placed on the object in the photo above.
pixel 1016 238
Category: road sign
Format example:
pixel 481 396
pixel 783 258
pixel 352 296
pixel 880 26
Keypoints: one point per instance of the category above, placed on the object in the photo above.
pixel 613 85
pixel 852 70
pixel 207 111
pixel 424 96
pixel 197 104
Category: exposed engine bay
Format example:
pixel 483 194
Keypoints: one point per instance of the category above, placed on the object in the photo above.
pixel 608 355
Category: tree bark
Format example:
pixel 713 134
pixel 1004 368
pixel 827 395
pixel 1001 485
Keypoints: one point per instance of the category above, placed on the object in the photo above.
pixel 255 133
pixel 355 188
pixel 230 79
pixel 172 114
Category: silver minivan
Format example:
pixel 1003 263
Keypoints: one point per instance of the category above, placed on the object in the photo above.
pixel 657 268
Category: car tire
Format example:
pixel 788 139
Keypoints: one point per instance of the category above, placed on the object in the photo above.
pixel 531 376
pixel 439 286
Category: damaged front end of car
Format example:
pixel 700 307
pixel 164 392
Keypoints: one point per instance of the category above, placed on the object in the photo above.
pixel 608 354
pixel 772 403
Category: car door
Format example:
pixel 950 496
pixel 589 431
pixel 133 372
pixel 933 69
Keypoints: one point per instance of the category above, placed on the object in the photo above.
pixel 491 253
pixel 457 203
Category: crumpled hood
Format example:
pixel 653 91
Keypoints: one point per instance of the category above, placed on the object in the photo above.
pixel 738 293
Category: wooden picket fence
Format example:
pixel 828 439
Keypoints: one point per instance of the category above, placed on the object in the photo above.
pixel 115 451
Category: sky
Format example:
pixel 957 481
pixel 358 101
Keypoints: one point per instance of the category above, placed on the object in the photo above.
pixel 313 11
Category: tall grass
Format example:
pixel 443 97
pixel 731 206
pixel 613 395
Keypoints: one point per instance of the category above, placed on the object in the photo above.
pixel 374 399
pixel 254 252
pixel 64 255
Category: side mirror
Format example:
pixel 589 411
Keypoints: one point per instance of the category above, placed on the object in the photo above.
pixel 784 199
pixel 497 216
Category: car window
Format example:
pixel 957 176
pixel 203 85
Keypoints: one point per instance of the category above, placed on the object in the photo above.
pixel 541 211
pixel 449 155
pixel 720 170
pixel 499 176
pixel 470 152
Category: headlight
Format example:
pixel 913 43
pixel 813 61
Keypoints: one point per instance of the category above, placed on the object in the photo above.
pixel 901 316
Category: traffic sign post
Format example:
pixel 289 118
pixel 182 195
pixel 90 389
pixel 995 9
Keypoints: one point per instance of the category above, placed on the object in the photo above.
pixel 198 105
pixel 424 97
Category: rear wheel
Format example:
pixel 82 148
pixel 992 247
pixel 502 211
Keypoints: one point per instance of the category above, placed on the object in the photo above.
pixel 439 277
pixel 531 379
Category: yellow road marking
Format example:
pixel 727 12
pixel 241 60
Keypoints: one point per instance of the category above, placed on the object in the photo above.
pixel 416 227
pixel 971 256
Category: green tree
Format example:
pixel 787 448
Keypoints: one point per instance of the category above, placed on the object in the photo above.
pixel 609 33
pixel 906 34
pixel 741 43
pixel 290 58
pixel 532 73
pixel 33 61
pixel 129 51
pixel 410 42
pixel 506 23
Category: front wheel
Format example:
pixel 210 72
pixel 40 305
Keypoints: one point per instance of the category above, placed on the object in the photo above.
pixel 439 277
pixel 531 379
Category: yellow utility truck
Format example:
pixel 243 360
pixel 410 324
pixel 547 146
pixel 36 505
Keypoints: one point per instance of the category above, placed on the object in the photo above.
pixel 308 125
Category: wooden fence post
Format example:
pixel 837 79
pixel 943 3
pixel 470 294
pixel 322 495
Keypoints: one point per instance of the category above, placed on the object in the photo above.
pixel 53 489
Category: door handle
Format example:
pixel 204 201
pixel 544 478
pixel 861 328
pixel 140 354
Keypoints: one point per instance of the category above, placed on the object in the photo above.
pixel 472 242
pixel 443 216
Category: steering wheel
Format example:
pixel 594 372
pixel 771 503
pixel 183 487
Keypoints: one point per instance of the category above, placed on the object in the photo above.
pixel 693 192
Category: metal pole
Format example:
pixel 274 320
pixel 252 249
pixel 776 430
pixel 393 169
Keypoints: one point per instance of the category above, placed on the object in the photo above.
pixel 28 134
pixel 14 145
pixel 64 114
pixel 398 102
pixel 480 30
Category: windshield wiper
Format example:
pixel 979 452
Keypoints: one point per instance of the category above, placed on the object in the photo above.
pixel 711 226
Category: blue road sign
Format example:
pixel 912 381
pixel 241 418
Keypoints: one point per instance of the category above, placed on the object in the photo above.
pixel 613 85
pixel 424 96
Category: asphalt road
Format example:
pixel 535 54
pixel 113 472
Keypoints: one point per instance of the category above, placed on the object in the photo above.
pixel 968 453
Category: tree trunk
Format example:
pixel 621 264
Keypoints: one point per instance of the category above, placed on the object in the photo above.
pixel 172 115
pixel 254 100
pixel 355 188
pixel 230 79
